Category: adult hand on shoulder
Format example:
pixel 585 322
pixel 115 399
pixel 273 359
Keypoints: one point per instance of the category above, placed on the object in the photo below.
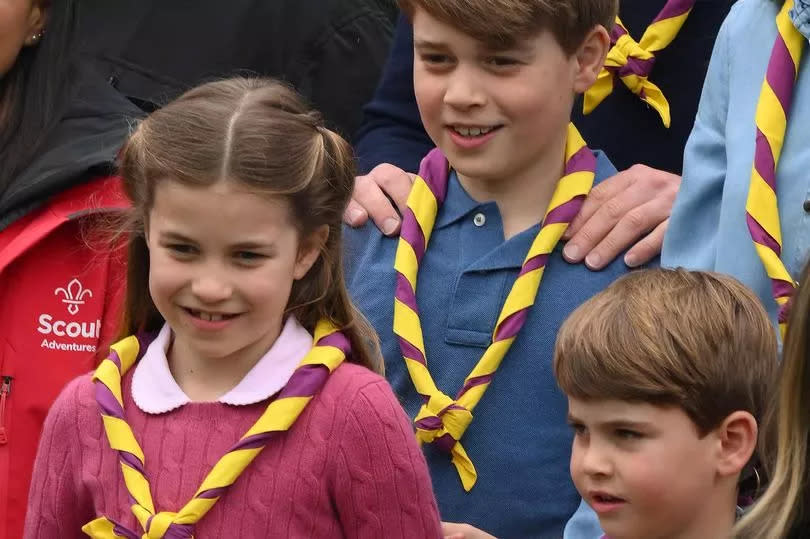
pixel 454 530
pixel 635 203
pixel 373 195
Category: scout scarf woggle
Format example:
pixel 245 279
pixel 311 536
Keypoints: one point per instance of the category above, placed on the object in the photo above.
pixel 330 349
pixel 632 62
pixel 773 111
pixel 442 420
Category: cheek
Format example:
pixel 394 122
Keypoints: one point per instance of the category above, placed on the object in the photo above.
pixel 429 96
pixel 166 277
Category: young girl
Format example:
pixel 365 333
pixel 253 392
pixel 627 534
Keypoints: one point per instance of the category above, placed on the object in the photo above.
pixel 242 404
pixel 782 510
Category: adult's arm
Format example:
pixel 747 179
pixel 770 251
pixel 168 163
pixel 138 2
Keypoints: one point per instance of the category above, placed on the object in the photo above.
pixel 691 240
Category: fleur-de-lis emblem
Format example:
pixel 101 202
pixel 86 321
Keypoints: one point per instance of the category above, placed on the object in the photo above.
pixel 74 295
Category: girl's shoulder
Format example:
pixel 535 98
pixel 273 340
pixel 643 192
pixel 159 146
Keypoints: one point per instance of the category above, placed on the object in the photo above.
pixel 352 379
pixel 78 394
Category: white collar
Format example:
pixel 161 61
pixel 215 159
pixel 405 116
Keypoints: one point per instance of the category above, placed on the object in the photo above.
pixel 155 390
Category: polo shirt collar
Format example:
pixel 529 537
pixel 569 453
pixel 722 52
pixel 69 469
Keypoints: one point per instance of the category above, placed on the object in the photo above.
pixel 155 390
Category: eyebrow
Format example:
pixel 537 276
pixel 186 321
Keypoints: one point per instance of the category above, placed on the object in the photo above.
pixel 244 245
pixel 614 424
pixel 427 44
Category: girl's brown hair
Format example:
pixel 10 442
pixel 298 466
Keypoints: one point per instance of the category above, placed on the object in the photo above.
pixel 784 505
pixel 259 133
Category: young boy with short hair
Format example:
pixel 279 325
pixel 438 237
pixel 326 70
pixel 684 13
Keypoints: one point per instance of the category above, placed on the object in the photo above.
pixel 468 349
pixel 667 374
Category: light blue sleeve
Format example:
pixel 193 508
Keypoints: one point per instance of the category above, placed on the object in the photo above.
pixel 692 234
pixel 584 524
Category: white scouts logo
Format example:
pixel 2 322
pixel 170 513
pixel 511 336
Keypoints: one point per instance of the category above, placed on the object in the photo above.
pixel 74 295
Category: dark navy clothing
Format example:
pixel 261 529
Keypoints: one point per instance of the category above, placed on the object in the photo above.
pixel 518 441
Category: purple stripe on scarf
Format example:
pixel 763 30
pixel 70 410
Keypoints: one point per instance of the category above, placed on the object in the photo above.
pixel 435 170
pixel 781 73
pixel 212 493
pixel 179 531
pixel 119 529
pixel 132 461
pixel 616 32
pixel 784 311
pixel 759 235
pixel 115 359
pixel 763 160
pixel 429 423
pixel 410 351
pixel 252 442
pixel 107 402
pixel 337 340
pixel 637 66
pixel 305 381
pixel 511 325
pixel 472 382
pixel 565 212
pixel 674 8
pixel 582 161
pixel 445 442
pixel 782 289
pixel 405 293
pixel 533 263
pixel 412 233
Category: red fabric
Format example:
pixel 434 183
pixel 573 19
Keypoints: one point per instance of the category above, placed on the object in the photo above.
pixel 349 467
pixel 39 255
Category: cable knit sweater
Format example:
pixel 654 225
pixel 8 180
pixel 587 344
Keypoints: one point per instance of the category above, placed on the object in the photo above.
pixel 349 467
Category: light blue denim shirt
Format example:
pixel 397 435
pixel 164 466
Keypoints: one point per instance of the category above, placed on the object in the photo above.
pixel 707 229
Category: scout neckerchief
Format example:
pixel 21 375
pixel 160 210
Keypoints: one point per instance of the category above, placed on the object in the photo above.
pixel 633 61
pixel 773 110
pixel 443 420
pixel 330 349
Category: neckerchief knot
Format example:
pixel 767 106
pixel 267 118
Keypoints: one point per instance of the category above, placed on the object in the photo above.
pixel 632 61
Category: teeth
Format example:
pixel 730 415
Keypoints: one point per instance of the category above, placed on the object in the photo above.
pixel 472 131
pixel 210 317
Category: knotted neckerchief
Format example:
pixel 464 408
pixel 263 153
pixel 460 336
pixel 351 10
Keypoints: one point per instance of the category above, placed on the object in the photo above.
pixel 632 61
pixel 773 111
pixel 330 349
pixel 443 420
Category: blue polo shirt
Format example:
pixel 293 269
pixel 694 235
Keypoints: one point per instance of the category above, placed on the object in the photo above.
pixel 518 441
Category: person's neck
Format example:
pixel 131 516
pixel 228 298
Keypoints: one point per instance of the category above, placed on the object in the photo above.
pixel 206 378
pixel 717 515
pixel 523 197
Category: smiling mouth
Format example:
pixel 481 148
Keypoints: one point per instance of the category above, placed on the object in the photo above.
pixel 471 132
pixel 209 316
pixel 606 498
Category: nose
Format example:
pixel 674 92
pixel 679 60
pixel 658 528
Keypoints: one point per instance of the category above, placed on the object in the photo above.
pixel 464 89
pixel 210 286
pixel 591 459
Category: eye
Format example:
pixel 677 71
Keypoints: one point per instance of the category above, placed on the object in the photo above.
pixel 184 250
pixel 435 59
pixel 627 434
pixel 501 61
pixel 248 256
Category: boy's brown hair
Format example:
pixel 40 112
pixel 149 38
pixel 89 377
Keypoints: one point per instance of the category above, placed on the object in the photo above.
pixel 696 340
pixel 503 23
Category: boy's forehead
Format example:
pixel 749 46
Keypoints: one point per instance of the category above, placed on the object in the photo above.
pixel 615 410
pixel 430 32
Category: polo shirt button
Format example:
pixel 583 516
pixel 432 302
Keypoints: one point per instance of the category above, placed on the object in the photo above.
pixel 806 205
pixel 480 219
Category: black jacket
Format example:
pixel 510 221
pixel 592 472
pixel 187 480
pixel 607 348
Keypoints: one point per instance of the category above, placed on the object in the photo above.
pixel 82 146
pixel 331 51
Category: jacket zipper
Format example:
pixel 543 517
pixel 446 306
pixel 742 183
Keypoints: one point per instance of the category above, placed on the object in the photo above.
pixel 5 391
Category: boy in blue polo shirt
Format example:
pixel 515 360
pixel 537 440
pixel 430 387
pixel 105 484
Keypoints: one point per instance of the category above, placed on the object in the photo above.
pixel 495 81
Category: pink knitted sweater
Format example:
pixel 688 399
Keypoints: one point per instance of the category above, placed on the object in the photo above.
pixel 349 467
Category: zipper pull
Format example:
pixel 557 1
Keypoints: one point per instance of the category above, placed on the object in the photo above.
pixel 5 391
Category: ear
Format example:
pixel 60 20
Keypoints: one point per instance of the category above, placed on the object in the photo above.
pixel 309 250
pixel 36 22
pixel 737 437
pixel 590 58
